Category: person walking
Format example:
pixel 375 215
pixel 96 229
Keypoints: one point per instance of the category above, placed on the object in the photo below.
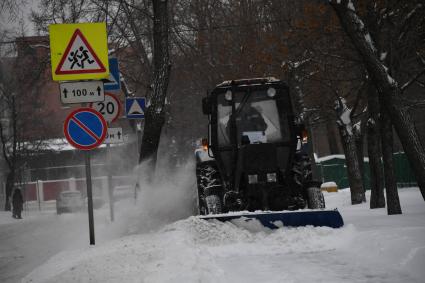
pixel 17 201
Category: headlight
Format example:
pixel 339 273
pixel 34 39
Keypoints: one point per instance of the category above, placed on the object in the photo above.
pixel 271 177
pixel 252 179
pixel 271 92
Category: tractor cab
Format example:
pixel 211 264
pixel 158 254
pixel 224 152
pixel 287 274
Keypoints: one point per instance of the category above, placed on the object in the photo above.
pixel 252 133
pixel 249 117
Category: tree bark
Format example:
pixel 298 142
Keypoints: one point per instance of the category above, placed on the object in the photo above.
pixel 10 181
pixel 348 141
pixel 299 105
pixel 353 169
pixel 386 86
pixel 314 170
pixel 10 158
pixel 359 138
pixel 155 114
pixel 377 199
pixel 393 201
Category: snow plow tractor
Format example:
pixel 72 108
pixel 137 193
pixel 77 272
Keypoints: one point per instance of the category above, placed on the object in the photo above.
pixel 253 165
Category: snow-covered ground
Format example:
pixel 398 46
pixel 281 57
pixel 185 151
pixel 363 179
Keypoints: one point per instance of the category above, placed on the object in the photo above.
pixel 149 245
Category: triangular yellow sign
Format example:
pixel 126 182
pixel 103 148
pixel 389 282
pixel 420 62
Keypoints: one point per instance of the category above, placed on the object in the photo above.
pixel 79 57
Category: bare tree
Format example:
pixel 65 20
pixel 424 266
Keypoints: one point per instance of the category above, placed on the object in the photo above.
pixel 134 34
pixel 377 199
pixel 20 137
pixel 155 112
pixel 355 179
pixel 10 9
pixel 387 86
pixel 215 40
pixel 58 12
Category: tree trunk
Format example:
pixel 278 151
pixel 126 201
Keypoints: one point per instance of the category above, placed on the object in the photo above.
pixel 386 86
pixel 393 201
pixel 359 137
pixel 154 114
pixel 354 175
pixel 304 118
pixel 377 199
pixel 10 182
pixel 314 170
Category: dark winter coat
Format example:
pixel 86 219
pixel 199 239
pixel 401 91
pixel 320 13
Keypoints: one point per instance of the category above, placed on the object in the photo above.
pixel 249 120
pixel 17 200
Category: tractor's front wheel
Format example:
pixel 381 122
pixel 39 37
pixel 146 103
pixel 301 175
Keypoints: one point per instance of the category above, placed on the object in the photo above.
pixel 210 188
pixel 315 198
pixel 213 204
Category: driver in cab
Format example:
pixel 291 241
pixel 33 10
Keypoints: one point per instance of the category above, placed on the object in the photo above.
pixel 250 126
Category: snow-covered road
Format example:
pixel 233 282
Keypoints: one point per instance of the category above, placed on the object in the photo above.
pixel 30 242
pixel 371 247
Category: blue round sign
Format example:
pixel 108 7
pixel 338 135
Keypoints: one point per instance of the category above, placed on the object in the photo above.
pixel 85 128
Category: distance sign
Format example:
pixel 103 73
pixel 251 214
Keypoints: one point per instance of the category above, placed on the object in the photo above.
pixel 81 92
pixel 114 135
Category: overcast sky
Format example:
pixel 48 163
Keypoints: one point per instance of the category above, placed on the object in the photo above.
pixel 13 23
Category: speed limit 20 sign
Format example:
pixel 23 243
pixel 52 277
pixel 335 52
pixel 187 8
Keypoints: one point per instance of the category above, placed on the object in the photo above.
pixel 110 108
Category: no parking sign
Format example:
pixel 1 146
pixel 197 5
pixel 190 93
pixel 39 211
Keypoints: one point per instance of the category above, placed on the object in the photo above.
pixel 85 128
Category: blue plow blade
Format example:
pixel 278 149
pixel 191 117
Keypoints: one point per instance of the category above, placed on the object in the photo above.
pixel 328 218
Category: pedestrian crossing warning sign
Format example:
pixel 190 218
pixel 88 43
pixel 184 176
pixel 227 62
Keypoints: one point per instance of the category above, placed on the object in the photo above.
pixel 79 57
pixel 79 51
pixel 135 107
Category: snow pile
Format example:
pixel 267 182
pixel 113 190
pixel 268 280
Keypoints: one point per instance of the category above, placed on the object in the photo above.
pixel 138 258
pixel 328 185
pixel 371 247
pixel 191 250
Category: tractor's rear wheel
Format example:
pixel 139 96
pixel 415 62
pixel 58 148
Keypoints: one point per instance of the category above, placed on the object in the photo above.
pixel 302 169
pixel 315 198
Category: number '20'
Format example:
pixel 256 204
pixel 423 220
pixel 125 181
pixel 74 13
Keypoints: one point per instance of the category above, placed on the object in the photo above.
pixel 110 108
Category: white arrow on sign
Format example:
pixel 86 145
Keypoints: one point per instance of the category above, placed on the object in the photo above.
pixel 81 92
pixel 110 108
pixel 114 135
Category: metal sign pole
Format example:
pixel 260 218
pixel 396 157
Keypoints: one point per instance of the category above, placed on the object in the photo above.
pixel 84 128
pixel 139 142
pixel 89 197
pixel 110 191
pixel 139 138
pixel 37 187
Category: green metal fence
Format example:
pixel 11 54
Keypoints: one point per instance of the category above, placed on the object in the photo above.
pixel 404 173
pixel 333 168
